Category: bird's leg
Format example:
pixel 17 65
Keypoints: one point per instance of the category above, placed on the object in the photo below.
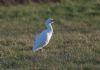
pixel 43 53
pixel 42 50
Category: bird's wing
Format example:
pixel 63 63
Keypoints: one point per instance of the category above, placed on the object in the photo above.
pixel 40 40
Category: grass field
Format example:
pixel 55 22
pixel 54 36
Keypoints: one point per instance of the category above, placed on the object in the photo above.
pixel 75 44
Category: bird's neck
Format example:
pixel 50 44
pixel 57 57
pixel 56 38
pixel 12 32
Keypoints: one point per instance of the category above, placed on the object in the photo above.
pixel 49 27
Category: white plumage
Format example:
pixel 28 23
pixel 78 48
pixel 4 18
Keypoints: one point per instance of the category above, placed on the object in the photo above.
pixel 44 37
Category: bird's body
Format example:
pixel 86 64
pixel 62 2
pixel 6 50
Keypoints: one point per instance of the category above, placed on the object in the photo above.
pixel 44 37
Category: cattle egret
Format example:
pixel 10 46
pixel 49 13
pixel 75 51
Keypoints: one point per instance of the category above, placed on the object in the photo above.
pixel 44 37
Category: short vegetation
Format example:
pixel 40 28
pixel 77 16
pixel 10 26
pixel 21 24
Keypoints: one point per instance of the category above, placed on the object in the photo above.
pixel 75 44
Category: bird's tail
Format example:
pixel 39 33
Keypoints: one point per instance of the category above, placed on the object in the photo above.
pixel 33 49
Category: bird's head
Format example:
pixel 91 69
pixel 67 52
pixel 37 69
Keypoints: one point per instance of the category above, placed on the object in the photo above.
pixel 49 21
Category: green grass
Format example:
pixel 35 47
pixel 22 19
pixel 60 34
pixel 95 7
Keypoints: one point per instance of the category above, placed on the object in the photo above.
pixel 75 44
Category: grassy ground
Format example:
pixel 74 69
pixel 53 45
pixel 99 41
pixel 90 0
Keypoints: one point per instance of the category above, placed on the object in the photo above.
pixel 75 44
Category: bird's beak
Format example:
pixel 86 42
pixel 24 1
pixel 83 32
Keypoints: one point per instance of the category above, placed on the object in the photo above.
pixel 53 20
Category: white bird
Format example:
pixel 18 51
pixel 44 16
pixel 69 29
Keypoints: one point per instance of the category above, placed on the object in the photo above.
pixel 44 37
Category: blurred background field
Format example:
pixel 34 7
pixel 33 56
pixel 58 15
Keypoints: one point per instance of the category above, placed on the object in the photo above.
pixel 75 44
